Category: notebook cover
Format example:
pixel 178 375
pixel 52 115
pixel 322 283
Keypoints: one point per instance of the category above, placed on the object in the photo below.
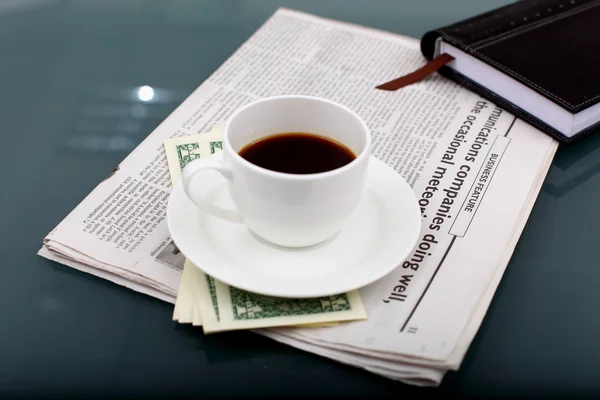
pixel 550 46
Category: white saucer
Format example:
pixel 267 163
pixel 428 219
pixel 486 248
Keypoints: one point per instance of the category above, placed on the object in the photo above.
pixel 377 237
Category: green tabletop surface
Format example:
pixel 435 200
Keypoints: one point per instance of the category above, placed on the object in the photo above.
pixel 67 119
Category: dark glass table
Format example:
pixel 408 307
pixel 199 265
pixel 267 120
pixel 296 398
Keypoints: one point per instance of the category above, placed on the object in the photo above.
pixel 66 68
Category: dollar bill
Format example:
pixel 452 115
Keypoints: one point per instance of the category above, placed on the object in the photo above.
pixel 182 150
pixel 218 307
pixel 185 311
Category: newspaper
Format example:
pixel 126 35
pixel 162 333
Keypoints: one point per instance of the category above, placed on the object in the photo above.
pixel 475 170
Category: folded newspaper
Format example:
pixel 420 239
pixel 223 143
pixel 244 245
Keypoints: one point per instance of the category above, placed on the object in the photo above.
pixel 475 169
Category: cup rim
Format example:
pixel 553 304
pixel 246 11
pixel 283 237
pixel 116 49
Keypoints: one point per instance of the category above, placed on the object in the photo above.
pixel 365 152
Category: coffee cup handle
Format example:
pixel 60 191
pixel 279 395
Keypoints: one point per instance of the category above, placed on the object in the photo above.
pixel 209 163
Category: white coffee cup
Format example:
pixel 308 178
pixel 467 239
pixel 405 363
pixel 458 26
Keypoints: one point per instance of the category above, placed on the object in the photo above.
pixel 290 210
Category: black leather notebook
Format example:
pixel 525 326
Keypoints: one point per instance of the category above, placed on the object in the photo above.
pixel 539 60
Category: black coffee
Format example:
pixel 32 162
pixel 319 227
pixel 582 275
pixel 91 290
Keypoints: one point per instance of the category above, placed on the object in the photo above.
pixel 297 153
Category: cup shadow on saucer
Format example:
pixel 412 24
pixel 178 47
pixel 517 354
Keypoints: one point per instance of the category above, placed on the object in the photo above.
pixel 294 249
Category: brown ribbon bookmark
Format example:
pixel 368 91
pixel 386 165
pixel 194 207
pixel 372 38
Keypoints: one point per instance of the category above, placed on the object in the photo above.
pixel 419 74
